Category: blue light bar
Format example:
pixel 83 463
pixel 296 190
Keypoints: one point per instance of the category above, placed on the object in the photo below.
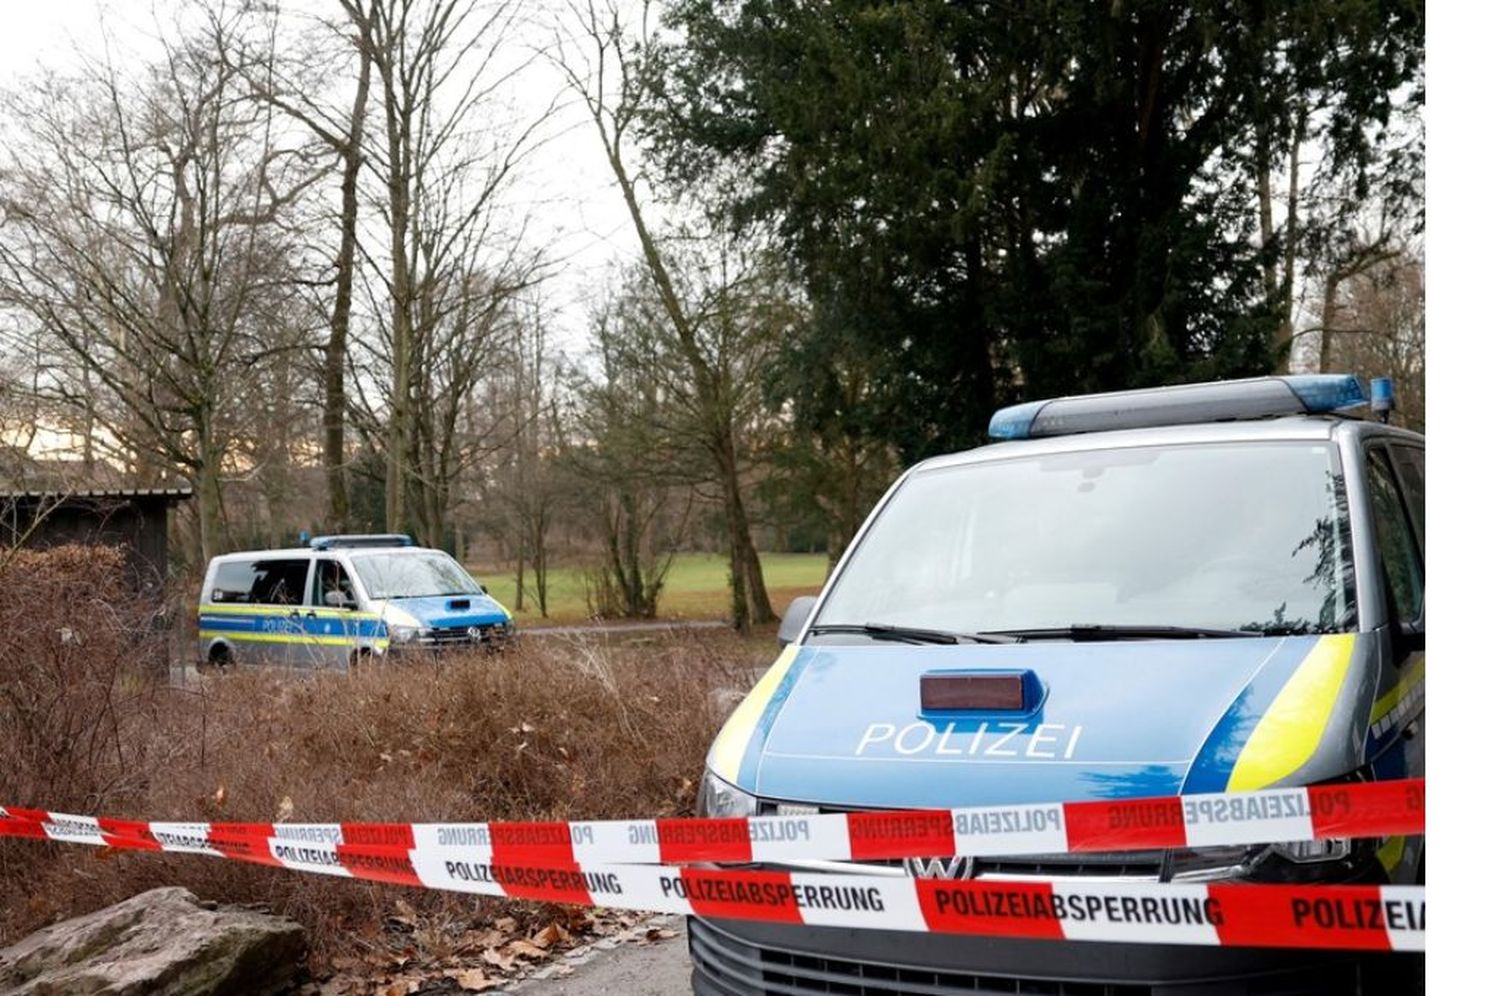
pixel 1382 394
pixel 1216 401
pixel 348 541
pixel 1322 393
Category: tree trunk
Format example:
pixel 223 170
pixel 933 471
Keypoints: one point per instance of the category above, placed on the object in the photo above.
pixel 539 562
pixel 520 602
pixel 398 189
pixel 1293 230
pixel 334 398
pixel 750 603
pixel 208 489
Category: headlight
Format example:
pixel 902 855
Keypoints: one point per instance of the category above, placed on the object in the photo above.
pixel 403 634
pixel 716 797
pixel 1295 861
pixel 1306 852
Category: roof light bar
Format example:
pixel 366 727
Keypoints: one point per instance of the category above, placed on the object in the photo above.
pixel 1382 397
pixel 1217 401
pixel 352 540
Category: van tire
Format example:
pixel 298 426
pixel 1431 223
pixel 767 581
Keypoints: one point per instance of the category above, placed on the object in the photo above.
pixel 220 659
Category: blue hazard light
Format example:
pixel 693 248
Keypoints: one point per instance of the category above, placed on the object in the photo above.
pixel 1014 422
pixel 1321 393
pixel 1382 394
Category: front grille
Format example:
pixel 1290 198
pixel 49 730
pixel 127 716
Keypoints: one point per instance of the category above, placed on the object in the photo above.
pixel 727 966
pixel 445 637
pixel 734 968
pixel 1138 865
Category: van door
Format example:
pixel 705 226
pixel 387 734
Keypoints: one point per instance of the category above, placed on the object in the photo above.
pixel 279 595
pixel 1396 742
pixel 332 616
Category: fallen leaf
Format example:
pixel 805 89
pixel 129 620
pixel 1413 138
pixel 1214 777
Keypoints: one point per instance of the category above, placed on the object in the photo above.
pixel 506 925
pixel 499 959
pixel 522 948
pixel 473 980
pixel 285 809
pixel 220 794
pixel 547 936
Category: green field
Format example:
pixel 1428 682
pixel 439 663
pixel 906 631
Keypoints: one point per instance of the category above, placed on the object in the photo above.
pixel 697 587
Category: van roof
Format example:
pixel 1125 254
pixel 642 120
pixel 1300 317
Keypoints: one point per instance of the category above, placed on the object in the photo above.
pixel 303 551
pixel 1292 428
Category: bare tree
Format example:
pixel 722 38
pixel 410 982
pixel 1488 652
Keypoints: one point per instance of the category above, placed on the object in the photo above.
pixel 147 225
pixel 605 67
pixel 297 82
pixel 450 264
pixel 1376 326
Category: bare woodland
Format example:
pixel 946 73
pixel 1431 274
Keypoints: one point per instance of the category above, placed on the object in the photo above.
pixel 283 255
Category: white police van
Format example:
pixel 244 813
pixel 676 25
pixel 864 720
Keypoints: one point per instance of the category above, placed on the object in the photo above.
pixel 341 599
pixel 1205 588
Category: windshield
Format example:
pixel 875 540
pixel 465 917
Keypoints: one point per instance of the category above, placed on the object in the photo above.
pixel 1251 537
pixel 412 575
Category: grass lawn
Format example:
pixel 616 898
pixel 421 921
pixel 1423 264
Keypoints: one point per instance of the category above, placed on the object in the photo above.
pixel 697 587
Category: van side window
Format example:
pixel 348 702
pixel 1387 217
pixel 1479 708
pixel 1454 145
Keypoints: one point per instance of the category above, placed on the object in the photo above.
pixel 1393 535
pixel 279 582
pixel 232 581
pixel 331 578
pixel 1410 464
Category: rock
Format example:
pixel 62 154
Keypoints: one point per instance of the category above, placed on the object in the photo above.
pixel 164 941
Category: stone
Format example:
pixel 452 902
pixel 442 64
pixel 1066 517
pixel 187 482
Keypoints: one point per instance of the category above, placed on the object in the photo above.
pixel 165 941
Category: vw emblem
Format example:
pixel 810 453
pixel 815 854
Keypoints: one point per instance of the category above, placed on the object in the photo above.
pixel 474 634
pixel 960 866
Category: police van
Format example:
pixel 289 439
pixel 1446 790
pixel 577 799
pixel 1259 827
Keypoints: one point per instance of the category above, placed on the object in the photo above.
pixel 1204 588
pixel 341 599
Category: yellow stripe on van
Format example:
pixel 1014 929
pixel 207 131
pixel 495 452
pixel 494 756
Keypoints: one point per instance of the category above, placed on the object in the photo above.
pixel 239 636
pixel 1391 852
pixel 729 749
pixel 1292 727
pixel 1415 672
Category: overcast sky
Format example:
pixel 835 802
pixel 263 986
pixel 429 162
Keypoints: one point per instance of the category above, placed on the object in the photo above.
pixel 577 216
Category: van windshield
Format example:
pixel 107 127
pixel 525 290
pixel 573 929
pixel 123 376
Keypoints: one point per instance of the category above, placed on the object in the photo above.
pixel 412 575
pixel 1251 537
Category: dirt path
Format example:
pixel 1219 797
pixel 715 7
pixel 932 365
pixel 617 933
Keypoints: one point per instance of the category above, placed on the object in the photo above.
pixel 648 960
pixel 624 628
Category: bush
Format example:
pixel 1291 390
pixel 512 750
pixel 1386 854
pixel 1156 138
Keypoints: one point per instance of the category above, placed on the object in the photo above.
pixel 78 651
pixel 550 729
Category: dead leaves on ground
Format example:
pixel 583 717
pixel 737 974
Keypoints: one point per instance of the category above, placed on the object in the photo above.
pixel 481 957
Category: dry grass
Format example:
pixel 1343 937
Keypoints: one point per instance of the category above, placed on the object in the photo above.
pixel 549 729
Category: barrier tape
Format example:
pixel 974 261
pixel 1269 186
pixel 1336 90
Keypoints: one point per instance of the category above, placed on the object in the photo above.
pixel 561 862
pixel 1367 917
pixel 1356 809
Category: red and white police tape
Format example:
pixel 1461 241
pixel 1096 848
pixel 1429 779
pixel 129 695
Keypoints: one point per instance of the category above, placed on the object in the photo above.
pixel 624 863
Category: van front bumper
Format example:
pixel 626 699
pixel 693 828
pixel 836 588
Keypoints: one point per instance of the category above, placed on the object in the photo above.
pixel 441 639
pixel 739 958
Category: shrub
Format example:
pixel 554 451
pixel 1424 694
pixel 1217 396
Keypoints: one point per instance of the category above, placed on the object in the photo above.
pixel 550 729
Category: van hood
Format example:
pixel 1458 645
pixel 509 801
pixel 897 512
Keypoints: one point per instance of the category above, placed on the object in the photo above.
pixel 844 725
pixel 444 610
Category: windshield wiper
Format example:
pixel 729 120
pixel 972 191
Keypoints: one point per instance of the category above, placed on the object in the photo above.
pixel 1094 632
pixel 911 634
pixel 1283 629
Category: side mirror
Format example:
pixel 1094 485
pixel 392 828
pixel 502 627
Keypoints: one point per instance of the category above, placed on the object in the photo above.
pixel 336 599
pixel 795 618
pixel 1411 638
